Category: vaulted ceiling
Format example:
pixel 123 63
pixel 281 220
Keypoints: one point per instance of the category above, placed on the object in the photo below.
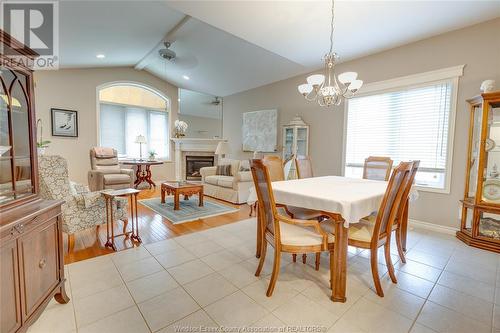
pixel 229 46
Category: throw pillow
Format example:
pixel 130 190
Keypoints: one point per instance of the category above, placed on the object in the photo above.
pixel 223 170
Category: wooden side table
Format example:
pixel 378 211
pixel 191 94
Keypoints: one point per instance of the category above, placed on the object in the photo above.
pixel 109 197
pixel 180 188
pixel 142 175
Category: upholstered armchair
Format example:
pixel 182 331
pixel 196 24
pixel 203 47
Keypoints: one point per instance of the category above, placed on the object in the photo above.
pixel 82 209
pixel 106 172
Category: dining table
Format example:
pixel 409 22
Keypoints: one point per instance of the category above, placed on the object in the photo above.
pixel 344 200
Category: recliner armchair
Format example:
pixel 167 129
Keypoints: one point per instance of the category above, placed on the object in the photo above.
pixel 105 171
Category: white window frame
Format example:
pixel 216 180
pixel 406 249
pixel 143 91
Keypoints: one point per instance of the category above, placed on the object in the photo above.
pixel 139 85
pixel 449 74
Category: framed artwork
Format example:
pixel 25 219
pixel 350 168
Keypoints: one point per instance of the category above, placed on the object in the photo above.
pixel 64 122
pixel 260 131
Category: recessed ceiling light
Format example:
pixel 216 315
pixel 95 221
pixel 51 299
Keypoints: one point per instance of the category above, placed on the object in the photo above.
pixel 100 56
pixel 185 77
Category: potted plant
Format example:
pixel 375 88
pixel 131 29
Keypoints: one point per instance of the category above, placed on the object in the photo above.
pixel 41 144
pixel 152 155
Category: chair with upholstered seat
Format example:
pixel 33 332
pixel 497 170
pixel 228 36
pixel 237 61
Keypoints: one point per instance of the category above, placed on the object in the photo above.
pixel 82 209
pixel 377 168
pixel 281 232
pixel 275 166
pixel 367 235
pixel 105 171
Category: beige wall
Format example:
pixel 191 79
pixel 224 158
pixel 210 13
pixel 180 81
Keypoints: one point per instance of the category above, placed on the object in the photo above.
pixel 202 127
pixel 75 89
pixel 478 47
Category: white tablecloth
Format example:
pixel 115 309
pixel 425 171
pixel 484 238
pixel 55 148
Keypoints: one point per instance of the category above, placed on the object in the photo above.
pixel 353 198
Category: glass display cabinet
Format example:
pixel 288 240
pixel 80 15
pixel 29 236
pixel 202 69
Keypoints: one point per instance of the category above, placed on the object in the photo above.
pixel 295 138
pixel 295 142
pixel 480 220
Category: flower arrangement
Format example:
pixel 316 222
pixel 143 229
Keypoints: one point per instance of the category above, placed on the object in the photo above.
pixel 180 128
pixel 41 144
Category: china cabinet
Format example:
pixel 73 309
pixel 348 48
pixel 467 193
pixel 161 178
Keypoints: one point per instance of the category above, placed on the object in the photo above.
pixel 295 142
pixel 31 255
pixel 480 220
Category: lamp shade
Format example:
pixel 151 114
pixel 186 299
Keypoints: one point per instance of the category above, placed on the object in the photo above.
pixel 305 88
pixel 222 148
pixel 315 79
pixel 347 77
pixel 140 139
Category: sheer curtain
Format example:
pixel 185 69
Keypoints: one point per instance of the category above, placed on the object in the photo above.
pixel 408 124
pixel 121 124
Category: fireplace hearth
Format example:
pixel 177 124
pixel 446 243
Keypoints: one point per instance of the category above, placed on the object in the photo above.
pixel 195 163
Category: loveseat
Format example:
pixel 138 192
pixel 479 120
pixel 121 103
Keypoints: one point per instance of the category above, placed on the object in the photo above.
pixel 233 188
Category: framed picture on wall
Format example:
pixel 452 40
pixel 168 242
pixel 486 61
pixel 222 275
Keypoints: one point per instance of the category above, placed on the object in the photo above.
pixel 64 122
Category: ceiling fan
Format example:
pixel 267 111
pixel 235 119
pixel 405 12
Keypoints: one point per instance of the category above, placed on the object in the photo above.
pixel 183 61
pixel 216 101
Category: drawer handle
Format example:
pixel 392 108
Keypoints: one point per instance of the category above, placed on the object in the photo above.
pixel 19 228
pixel 42 263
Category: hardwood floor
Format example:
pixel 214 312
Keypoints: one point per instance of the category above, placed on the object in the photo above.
pixel 152 228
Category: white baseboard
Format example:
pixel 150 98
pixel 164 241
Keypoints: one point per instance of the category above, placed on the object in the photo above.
pixel 432 226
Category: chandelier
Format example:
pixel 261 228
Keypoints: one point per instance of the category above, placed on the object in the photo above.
pixel 329 89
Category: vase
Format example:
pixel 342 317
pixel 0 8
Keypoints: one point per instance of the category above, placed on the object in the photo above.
pixel 40 150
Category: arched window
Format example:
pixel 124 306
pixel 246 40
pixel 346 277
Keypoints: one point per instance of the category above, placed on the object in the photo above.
pixel 128 110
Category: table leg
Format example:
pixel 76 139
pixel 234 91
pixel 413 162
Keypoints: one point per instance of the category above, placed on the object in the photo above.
pixel 176 200
pixel 138 176
pixel 111 240
pixel 147 177
pixel 162 194
pixel 107 221
pixel 200 198
pixel 186 197
pixel 137 237
pixel 259 232
pixel 404 224
pixel 131 200
pixel 338 262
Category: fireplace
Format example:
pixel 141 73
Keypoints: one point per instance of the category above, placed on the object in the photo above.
pixel 195 163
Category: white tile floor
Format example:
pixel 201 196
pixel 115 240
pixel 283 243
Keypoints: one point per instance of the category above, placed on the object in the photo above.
pixel 207 279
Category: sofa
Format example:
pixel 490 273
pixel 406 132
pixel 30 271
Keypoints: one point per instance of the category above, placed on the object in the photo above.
pixel 234 188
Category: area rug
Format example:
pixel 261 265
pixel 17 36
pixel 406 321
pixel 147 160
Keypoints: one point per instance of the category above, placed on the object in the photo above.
pixel 189 209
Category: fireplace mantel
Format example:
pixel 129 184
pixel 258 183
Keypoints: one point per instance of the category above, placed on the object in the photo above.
pixel 191 145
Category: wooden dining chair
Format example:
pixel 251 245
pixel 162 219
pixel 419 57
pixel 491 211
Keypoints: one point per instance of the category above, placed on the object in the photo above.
pixel 277 174
pixel 377 168
pixel 367 235
pixel 303 166
pixel 283 233
pixel 401 221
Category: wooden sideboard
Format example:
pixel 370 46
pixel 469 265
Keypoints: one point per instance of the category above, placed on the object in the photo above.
pixel 32 266
pixel 31 249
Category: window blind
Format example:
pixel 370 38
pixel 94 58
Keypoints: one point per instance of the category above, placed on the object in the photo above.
pixel 408 124
pixel 121 124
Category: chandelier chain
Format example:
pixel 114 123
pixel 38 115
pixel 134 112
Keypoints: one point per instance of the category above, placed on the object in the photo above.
pixel 332 26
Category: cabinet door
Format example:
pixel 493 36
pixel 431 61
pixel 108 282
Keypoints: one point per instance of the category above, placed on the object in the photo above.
pixel 40 263
pixel 10 301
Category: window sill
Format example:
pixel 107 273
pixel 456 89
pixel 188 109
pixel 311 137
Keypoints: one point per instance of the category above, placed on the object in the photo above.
pixel 432 189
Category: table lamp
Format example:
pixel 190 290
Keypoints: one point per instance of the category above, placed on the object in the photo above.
pixel 140 139
pixel 222 149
